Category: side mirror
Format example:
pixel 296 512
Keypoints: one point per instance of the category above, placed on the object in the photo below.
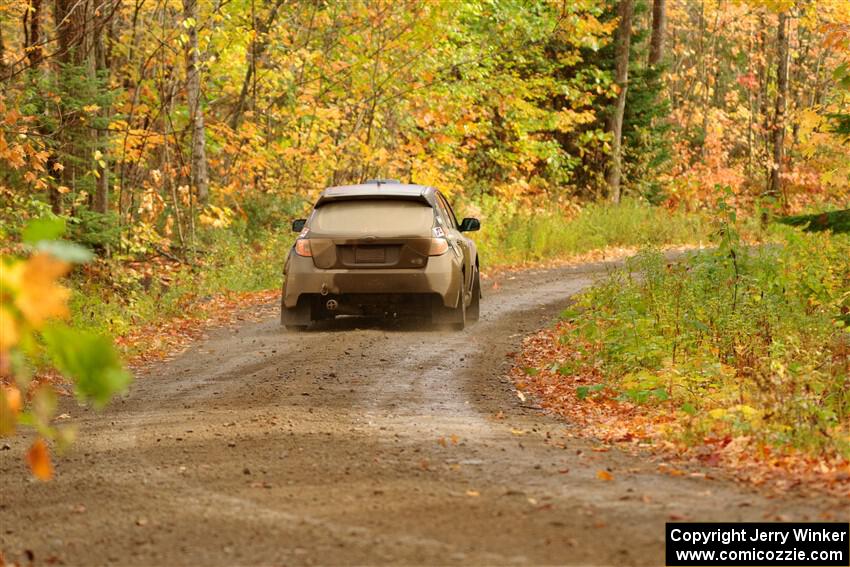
pixel 298 225
pixel 469 224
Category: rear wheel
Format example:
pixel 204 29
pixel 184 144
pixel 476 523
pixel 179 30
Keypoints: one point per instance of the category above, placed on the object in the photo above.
pixel 474 309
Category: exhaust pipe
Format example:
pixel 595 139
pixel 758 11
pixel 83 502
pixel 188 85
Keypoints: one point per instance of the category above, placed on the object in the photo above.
pixel 331 305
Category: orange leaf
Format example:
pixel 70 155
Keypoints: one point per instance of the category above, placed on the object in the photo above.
pixel 38 460
pixel 604 475
pixel 40 296
pixel 13 398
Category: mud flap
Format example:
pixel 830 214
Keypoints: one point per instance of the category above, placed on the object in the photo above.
pixel 442 315
pixel 474 309
pixel 298 316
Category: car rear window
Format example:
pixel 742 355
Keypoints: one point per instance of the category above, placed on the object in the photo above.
pixel 375 217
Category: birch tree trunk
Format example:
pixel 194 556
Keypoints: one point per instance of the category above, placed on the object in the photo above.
pixel 615 126
pixel 659 22
pixel 199 174
pixel 774 186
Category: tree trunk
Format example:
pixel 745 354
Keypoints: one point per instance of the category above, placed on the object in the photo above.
pixel 3 67
pixel 199 175
pixel 615 126
pixel 659 21
pixel 255 51
pixel 70 18
pixel 32 33
pixel 100 202
pixel 71 30
pixel 774 186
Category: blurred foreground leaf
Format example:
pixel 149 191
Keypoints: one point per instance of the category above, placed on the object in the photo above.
pixel 67 251
pixel 45 228
pixel 38 460
pixel 90 359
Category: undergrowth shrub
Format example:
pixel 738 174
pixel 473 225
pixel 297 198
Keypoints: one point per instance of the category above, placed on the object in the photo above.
pixel 114 295
pixel 510 234
pixel 736 341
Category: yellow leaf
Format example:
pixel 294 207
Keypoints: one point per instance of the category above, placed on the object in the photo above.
pixel 12 396
pixel 8 329
pixel 604 475
pixel 718 413
pixel 38 460
pixel 40 297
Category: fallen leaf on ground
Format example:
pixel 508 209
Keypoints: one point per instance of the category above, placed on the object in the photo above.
pixel 604 475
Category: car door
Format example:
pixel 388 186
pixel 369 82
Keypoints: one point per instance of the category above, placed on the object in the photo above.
pixel 457 239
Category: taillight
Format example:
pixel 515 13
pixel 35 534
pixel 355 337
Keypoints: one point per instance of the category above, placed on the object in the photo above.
pixel 438 246
pixel 302 247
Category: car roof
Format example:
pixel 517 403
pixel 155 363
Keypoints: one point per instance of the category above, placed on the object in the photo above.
pixel 378 190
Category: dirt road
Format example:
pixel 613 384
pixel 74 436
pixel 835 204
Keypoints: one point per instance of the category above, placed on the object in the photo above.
pixel 355 443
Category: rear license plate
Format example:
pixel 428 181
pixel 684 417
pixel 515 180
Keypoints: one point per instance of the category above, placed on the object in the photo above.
pixel 369 255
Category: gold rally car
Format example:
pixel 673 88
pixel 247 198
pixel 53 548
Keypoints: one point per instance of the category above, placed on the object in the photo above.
pixel 382 249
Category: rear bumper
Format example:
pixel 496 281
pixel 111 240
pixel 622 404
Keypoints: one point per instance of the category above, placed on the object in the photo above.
pixel 442 276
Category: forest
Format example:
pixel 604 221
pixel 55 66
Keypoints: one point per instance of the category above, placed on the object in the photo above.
pixel 144 121
pixel 156 151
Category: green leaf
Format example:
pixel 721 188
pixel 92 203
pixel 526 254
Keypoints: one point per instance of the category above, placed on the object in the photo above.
pixel 90 360
pixel 44 228
pixel 689 408
pixel 64 250
pixel 660 394
pixel 582 392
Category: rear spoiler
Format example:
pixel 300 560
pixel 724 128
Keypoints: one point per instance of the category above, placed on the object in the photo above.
pixel 372 196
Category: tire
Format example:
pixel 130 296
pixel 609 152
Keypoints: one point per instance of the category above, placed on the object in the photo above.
pixel 474 310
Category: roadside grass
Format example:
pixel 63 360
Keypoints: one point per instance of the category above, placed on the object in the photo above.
pixel 114 297
pixel 741 352
pixel 514 236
